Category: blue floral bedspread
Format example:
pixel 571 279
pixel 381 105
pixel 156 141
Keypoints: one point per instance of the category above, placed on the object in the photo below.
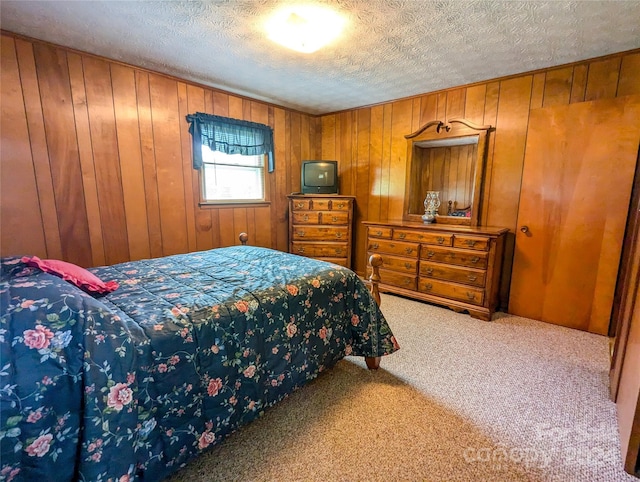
pixel 190 347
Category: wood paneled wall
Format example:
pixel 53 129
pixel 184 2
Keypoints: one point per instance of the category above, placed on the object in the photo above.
pixel 96 155
pixel 371 149
pixel 96 160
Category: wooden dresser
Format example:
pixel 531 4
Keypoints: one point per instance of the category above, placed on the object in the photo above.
pixel 321 226
pixel 450 265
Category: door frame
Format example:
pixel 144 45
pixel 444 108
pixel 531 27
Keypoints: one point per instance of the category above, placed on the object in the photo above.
pixel 625 297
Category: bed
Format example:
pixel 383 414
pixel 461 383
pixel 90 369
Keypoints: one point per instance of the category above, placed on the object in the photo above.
pixel 132 384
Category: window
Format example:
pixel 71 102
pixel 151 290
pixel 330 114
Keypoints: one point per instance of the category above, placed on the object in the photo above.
pixel 230 155
pixel 232 177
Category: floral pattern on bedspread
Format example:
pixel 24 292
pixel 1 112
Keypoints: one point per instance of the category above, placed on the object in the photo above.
pixel 189 348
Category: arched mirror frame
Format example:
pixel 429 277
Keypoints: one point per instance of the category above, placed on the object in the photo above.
pixel 439 131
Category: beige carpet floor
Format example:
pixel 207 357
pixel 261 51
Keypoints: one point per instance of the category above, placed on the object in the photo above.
pixel 463 400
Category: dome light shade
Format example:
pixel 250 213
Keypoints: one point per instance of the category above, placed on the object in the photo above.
pixel 304 28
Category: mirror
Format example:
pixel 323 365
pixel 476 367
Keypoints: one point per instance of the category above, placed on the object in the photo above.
pixel 447 158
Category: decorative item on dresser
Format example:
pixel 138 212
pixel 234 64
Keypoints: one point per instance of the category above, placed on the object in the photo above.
pixel 455 266
pixel 321 227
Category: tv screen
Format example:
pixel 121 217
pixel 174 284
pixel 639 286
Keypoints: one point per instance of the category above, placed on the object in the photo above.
pixel 319 177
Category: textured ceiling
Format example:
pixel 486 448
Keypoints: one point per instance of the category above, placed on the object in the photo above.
pixel 391 48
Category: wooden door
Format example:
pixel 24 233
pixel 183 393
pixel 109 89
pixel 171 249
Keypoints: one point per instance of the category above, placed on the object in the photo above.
pixel 576 185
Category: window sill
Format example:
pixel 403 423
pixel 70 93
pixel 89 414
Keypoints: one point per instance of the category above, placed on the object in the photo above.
pixel 229 204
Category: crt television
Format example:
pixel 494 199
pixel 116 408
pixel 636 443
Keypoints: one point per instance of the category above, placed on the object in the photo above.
pixel 319 177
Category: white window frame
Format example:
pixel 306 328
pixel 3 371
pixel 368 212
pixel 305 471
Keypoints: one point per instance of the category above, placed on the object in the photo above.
pixel 223 159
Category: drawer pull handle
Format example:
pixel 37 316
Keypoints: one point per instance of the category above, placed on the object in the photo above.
pixel 440 239
pixel 339 251
pixel 408 265
pixel 306 217
pixel 338 235
pixel 375 245
pixel 300 250
pixel 408 250
pixel 300 205
pixel 428 286
pixel 340 206
pixel 335 219
pixel 429 271
pixel 402 235
pixel 378 233
pixel 430 254
pixel 475 259
pixel 470 242
pixel 300 233
pixel 407 282
pixel 471 295
pixel 472 277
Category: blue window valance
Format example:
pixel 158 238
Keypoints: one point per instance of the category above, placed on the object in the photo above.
pixel 231 136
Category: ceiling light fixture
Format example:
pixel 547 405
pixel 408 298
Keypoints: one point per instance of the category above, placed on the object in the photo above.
pixel 305 28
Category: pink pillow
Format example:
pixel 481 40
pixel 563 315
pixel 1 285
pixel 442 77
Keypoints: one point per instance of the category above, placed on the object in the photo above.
pixel 80 277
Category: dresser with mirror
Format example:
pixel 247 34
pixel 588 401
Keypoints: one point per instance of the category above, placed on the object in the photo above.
pixel 440 251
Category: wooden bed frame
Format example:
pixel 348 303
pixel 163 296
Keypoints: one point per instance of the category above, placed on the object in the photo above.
pixel 375 260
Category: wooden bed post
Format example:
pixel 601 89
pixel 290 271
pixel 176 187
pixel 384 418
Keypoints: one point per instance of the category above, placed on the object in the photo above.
pixel 375 260
pixel 244 237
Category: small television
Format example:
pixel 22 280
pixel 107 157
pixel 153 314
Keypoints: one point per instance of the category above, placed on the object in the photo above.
pixel 319 177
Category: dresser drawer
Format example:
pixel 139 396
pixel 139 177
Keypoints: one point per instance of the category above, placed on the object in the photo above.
pixel 393 247
pixel 441 239
pixel 313 250
pixel 301 204
pixel 320 233
pixel 471 242
pixel 460 257
pixel 453 291
pixel 379 232
pixel 321 204
pixel 320 217
pixel 468 276
pixel 395 263
pixel 400 280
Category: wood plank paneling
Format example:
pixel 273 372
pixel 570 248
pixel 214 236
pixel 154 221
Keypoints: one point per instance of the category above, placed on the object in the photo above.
pixel 166 141
pixel 401 126
pixel 602 81
pixel 259 219
pixel 85 150
pixel 38 140
pixel 508 156
pixel 363 189
pixel 537 90
pixel 455 104
pixel 579 84
pixel 629 83
pixel 557 87
pixel 66 173
pixel 428 108
pixel 375 163
pixel 474 103
pixel 187 166
pixel 19 206
pixel 149 164
pixel 386 161
pixel 279 215
pixel 128 140
pixel 104 144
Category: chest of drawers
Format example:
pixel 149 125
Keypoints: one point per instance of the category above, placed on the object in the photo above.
pixel 458 267
pixel 322 227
